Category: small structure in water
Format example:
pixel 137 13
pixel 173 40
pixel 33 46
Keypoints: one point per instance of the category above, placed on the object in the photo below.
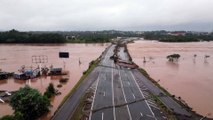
pixel 5 95
pixel 55 71
pixel 25 74
pixel 3 75
pixel 32 73
pixel 21 76
pixel 1 100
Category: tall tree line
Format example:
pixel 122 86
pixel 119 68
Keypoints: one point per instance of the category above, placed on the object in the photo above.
pixel 14 36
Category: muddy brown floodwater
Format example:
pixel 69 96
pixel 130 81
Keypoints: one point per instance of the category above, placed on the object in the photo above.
pixel 191 78
pixel 12 57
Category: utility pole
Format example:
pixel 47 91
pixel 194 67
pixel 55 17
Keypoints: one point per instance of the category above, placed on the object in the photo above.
pixel 40 59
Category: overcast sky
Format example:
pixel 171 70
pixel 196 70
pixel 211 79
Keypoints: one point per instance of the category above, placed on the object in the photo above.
pixel 68 15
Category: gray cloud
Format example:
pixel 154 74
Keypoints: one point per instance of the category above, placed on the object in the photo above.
pixel 106 14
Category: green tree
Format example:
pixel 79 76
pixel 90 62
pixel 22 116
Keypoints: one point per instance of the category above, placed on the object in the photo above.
pixel 14 36
pixel 16 116
pixel 50 91
pixel 173 57
pixel 7 117
pixel 30 103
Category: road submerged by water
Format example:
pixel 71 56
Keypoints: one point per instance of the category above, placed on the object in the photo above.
pixel 121 94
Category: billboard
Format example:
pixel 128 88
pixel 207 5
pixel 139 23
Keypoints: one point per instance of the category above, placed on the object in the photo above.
pixel 63 54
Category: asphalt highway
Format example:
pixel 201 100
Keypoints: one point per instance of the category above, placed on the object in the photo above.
pixel 120 94
pixel 116 87
pixel 66 111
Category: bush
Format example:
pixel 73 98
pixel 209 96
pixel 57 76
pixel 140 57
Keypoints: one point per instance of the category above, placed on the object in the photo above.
pixel 29 103
pixel 7 117
pixel 50 91
pixel 59 85
pixel 173 57
pixel 63 80
pixel 84 72
pixel 91 63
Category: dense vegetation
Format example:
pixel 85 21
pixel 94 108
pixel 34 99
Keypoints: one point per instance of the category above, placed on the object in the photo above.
pixel 85 37
pixel 14 36
pixel 163 36
pixel 97 36
pixel 16 116
pixel 50 91
pixel 28 104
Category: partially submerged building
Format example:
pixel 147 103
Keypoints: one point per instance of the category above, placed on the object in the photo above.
pixel 27 74
pixel 20 76
pixel 3 75
pixel 55 71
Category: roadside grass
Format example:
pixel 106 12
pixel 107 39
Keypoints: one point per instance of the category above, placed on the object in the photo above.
pixel 169 113
pixel 153 81
pixel 182 103
pixel 79 113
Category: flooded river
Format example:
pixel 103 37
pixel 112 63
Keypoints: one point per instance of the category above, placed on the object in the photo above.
pixel 191 77
pixel 12 57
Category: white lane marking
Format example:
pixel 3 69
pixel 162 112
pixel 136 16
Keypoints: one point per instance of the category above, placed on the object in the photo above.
pixel 128 83
pixel 106 56
pixel 104 93
pixel 141 114
pixel 113 98
pixel 133 95
pixel 150 116
pixel 144 89
pixel 151 102
pixel 130 117
pixel 90 116
pixel 142 94
pixel 102 116
pixel 154 107
pixel 152 84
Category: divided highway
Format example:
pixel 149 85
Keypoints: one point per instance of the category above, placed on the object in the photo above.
pixel 116 88
pixel 120 94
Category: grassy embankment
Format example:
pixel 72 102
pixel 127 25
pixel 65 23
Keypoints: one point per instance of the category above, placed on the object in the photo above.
pixel 79 113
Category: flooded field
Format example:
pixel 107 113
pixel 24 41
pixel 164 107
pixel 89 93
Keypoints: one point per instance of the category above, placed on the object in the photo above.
pixel 12 57
pixel 191 77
